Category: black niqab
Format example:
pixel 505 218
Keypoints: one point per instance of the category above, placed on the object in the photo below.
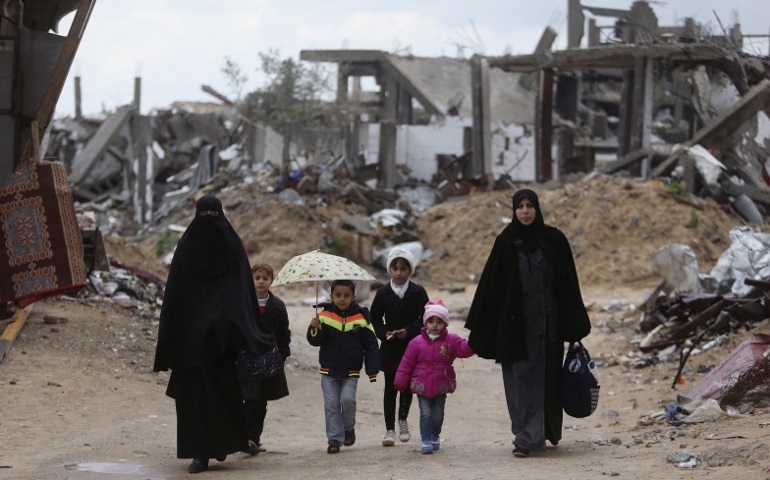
pixel 210 304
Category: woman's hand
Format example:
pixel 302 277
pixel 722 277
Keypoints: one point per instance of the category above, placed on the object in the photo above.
pixel 400 333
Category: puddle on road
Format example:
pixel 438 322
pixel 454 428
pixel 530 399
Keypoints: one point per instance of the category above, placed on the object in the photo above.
pixel 101 467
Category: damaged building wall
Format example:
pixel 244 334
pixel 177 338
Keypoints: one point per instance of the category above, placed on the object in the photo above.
pixel 268 145
pixel 418 148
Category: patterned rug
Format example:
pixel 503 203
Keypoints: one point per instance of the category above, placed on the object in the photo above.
pixel 41 254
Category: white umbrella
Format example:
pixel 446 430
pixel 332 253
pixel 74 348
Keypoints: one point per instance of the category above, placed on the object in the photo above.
pixel 318 267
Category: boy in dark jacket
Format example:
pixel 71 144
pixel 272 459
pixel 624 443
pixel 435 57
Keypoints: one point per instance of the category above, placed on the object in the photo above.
pixel 256 393
pixel 347 340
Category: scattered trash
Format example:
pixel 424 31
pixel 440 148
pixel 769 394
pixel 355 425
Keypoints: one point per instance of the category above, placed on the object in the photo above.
pixel 684 460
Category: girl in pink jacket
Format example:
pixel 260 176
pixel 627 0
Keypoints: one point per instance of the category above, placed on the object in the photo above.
pixel 426 369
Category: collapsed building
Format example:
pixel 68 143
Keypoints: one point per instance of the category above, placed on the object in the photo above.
pixel 640 99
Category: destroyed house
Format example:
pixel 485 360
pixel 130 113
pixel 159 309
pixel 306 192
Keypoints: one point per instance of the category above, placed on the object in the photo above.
pixel 418 120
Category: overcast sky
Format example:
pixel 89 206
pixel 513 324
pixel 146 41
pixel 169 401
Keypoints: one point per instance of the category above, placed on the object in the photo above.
pixel 176 46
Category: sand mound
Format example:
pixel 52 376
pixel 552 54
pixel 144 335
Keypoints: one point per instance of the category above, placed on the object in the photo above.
pixel 614 225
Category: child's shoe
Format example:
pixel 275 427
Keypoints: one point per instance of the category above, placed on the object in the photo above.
pixel 350 437
pixel 389 439
pixel 436 442
pixel 334 447
pixel 403 431
pixel 427 447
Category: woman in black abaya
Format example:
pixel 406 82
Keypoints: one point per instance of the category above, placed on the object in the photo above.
pixel 526 305
pixel 210 312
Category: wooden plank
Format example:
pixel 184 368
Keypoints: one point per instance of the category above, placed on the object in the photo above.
pixel 60 72
pixel 12 330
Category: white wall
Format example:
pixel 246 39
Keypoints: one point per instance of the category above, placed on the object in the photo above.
pixel 513 152
pixel 513 148
pixel 418 145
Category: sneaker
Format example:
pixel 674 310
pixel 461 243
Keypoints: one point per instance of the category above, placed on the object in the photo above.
pixel 350 437
pixel 427 447
pixel 334 447
pixel 389 439
pixel 436 441
pixel 403 431
pixel 520 452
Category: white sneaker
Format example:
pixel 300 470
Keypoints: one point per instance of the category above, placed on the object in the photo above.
pixel 389 439
pixel 403 428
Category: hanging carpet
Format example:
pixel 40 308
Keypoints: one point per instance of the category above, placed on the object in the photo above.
pixel 41 253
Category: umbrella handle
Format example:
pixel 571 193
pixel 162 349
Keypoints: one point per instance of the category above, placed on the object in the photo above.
pixel 314 331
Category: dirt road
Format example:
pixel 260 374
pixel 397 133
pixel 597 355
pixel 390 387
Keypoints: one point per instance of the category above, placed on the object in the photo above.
pixel 79 401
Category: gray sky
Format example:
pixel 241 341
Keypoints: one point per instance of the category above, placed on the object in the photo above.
pixel 176 46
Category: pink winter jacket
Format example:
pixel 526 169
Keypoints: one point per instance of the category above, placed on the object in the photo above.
pixel 426 368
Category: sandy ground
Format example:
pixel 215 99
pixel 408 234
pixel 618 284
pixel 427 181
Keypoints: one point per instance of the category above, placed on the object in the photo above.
pixel 79 401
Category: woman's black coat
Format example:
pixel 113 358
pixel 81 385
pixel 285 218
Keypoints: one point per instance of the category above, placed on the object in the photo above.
pixel 495 319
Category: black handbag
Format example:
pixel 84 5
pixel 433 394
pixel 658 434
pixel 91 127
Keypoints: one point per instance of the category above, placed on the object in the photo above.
pixel 259 366
pixel 579 385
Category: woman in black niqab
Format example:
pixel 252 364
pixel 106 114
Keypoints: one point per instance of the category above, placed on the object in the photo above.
pixel 526 304
pixel 209 313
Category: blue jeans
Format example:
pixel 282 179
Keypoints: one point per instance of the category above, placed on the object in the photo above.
pixel 431 417
pixel 339 406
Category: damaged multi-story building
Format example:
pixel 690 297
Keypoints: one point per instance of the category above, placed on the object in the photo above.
pixel 622 95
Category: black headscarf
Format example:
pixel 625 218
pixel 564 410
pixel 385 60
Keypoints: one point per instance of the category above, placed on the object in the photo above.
pixel 526 236
pixel 210 304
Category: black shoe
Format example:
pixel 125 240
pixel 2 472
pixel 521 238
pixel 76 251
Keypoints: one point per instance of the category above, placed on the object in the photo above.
pixel 334 447
pixel 198 465
pixel 520 452
pixel 221 458
pixel 350 438
pixel 252 448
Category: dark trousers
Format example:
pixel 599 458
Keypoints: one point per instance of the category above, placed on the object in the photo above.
pixel 389 402
pixel 256 410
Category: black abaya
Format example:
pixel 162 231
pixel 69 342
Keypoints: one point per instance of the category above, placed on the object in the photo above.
pixel 527 304
pixel 210 312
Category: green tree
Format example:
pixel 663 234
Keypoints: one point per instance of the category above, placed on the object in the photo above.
pixel 293 93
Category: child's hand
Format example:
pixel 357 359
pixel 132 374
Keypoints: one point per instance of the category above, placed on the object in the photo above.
pixel 315 323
